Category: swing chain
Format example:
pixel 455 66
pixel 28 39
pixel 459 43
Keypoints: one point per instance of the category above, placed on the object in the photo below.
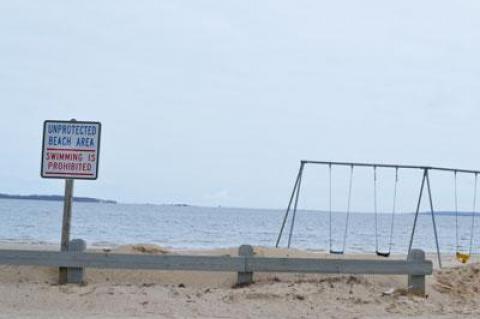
pixel 463 257
pixel 475 188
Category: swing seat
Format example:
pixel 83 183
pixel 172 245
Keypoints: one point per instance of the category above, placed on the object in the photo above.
pixel 381 254
pixel 336 252
pixel 462 257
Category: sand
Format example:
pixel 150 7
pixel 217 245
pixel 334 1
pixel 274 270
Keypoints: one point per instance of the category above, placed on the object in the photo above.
pixel 32 292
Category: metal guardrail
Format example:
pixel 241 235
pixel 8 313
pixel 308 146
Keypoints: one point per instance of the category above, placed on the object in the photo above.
pixel 416 267
pixel 120 261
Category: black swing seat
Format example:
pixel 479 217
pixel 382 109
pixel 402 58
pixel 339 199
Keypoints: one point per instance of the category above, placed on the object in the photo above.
pixel 381 254
pixel 336 252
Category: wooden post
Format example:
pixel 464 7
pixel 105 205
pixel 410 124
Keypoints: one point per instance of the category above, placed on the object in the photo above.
pixel 245 278
pixel 67 218
pixel 416 283
pixel 75 275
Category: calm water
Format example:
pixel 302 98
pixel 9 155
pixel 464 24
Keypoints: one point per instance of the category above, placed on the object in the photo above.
pixel 202 227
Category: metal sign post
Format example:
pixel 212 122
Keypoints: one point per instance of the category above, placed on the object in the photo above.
pixel 66 222
pixel 70 151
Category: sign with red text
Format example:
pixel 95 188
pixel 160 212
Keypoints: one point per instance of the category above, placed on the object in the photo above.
pixel 70 149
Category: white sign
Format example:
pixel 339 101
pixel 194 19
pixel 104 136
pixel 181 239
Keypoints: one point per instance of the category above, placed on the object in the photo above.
pixel 70 149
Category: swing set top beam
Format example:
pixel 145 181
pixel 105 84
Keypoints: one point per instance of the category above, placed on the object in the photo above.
pixel 456 170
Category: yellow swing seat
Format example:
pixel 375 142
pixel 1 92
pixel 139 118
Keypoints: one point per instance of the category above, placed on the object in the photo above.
pixel 462 257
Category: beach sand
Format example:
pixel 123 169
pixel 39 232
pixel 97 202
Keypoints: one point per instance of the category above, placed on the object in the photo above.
pixel 32 292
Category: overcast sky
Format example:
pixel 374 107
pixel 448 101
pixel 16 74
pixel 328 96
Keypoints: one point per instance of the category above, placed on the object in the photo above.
pixel 215 102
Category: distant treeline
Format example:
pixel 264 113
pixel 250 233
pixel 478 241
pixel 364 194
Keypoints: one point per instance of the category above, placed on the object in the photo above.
pixel 57 198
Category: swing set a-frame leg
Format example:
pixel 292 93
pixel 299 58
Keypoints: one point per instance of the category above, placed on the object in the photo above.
pixel 417 212
pixel 289 206
pixel 426 179
pixel 292 224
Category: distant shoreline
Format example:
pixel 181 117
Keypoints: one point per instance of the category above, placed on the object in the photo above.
pixel 57 198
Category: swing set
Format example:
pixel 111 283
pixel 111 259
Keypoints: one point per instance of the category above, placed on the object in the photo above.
pixel 462 255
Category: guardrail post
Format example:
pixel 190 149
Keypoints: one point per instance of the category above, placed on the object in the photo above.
pixel 416 283
pixel 245 278
pixel 75 275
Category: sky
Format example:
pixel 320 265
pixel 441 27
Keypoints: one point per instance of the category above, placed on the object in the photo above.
pixel 216 102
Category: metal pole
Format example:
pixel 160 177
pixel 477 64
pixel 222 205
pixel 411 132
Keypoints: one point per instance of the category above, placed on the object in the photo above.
pixel 467 171
pixel 288 207
pixel 375 208
pixel 348 210
pixel 295 206
pixel 67 218
pixel 394 210
pixel 433 219
pixel 470 248
pixel 330 207
pixel 457 242
pixel 417 210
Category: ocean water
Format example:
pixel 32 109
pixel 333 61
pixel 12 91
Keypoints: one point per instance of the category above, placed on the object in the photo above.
pixel 191 227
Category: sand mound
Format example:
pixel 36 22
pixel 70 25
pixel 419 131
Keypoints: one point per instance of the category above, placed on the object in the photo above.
pixel 142 249
pixel 32 292
pixel 341 280
pixel 460 281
